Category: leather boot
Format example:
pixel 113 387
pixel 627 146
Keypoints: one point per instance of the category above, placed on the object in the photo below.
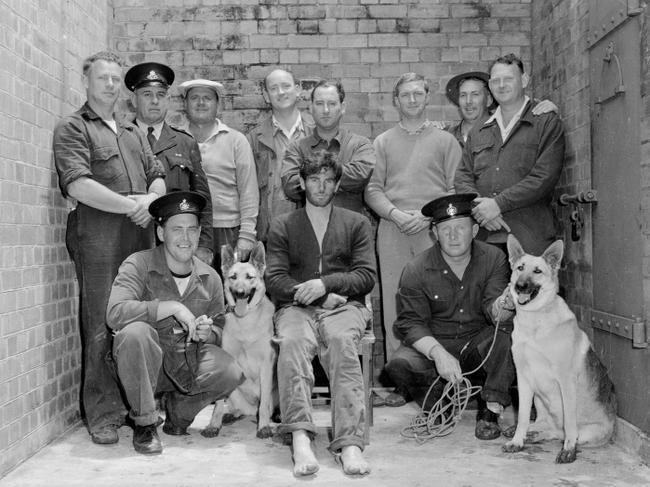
pixel 145 440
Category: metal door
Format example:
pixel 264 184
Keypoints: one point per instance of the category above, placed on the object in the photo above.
pixel 618 315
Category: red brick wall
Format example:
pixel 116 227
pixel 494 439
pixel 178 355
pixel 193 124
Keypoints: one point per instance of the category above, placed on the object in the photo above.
pixel 561 73
pixel 365 43
pixel 41 49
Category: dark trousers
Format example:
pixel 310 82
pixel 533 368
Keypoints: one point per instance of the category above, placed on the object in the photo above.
pixel 139 357
pixel 415 373
pixel 98 242
pixel 223 236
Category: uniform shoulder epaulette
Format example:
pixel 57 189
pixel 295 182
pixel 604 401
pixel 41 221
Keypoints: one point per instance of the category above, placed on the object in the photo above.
pixel 178 129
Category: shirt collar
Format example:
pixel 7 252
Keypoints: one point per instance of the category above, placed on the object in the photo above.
pixel 438 262
pixel 316 138
pixel 218 127
pixel 297 126
pixel 159 263
pixel 497 113
pixel 157 127
pixel 418 130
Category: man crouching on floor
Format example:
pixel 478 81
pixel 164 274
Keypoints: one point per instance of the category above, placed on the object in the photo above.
pixel 320 266
pixel 449 299
pixel 167 310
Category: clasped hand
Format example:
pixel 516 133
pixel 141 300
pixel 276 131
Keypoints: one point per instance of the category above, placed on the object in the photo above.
pixel 198 329
pixel 139 214
pixel 488 214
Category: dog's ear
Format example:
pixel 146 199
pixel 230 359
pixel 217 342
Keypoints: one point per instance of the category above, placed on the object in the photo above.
pixel 258 258
pixel 515 250
pixel 553 254
pixel 228 258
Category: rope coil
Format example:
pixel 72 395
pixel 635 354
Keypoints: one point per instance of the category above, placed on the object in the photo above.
pixel 443 417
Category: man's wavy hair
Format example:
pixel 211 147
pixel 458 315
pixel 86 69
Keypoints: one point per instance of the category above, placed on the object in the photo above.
pixel 108 56
pixel 322 160
pixel 508 59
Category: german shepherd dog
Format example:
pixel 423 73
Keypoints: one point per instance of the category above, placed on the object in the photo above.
pixel 247 336
pixel 555 363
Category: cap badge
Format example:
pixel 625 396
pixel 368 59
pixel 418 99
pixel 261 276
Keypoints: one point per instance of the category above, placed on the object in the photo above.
pixel 152 75
pixel 451 210
pixel 184 205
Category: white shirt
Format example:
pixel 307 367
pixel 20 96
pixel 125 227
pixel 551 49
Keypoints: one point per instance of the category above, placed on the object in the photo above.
pixel 498 116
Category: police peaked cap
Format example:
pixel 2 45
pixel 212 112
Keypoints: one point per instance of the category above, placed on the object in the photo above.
pixel 148 74
pixel 449 207
pixel 176 203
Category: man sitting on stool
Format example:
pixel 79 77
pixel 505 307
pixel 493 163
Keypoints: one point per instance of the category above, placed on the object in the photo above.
pixel 167 309
pixel 449 299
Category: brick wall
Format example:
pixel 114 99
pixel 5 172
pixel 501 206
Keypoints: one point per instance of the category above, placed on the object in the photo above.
pixel 41 48
pixel 365 43
pixel 561 73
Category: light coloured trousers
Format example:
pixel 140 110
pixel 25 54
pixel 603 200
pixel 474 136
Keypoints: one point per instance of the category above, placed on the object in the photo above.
pixel 394 250
pixel 334 335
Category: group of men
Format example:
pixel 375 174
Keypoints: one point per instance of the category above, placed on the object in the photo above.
pixel 151 316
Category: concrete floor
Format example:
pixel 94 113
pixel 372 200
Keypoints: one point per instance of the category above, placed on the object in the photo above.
pixel 237 458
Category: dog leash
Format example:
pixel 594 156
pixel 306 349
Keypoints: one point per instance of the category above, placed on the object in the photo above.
pixel 443 417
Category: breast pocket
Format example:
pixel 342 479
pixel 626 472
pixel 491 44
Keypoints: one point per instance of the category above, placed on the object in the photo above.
pixel 103 164
pixel 481 155
pixel 440 301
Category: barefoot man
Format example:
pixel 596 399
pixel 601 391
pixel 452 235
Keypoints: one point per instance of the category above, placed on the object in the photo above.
pixel 320 267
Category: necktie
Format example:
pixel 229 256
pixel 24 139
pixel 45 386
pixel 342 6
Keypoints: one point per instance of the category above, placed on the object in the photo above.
pixel 151 137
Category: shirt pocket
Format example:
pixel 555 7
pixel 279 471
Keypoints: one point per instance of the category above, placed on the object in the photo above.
pixel 482 156
pixel 440 301
pixel 103 164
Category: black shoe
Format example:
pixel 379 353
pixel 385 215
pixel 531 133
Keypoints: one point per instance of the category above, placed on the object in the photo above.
pixel 146 441
pixel 105 435
pixel 487 425
pixel 170 428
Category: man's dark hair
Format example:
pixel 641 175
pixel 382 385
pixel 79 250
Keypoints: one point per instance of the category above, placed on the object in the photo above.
pixel 322 160
pixel 508 59
pixel 109 56
pixel 324 83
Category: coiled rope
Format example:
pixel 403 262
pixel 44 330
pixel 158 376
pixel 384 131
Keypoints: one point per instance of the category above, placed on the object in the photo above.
pixel 443 417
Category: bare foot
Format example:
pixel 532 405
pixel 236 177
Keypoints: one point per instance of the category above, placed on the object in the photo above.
pixel 353 461
pixel 304 461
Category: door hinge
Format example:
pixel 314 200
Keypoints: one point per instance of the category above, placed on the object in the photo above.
pixel 634 328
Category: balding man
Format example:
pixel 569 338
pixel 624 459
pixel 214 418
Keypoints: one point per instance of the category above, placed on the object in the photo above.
pixel 269 141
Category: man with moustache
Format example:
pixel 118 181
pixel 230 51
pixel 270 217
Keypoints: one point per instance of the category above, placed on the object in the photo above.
pixel 108 168
pixel 173 147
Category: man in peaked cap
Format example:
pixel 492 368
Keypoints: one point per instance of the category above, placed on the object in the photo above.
pixel 175 148
pixel 450 298
pixel 229 166
pixel 167 333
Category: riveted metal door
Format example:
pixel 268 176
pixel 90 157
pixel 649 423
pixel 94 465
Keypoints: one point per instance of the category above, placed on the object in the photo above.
pixel 618 299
